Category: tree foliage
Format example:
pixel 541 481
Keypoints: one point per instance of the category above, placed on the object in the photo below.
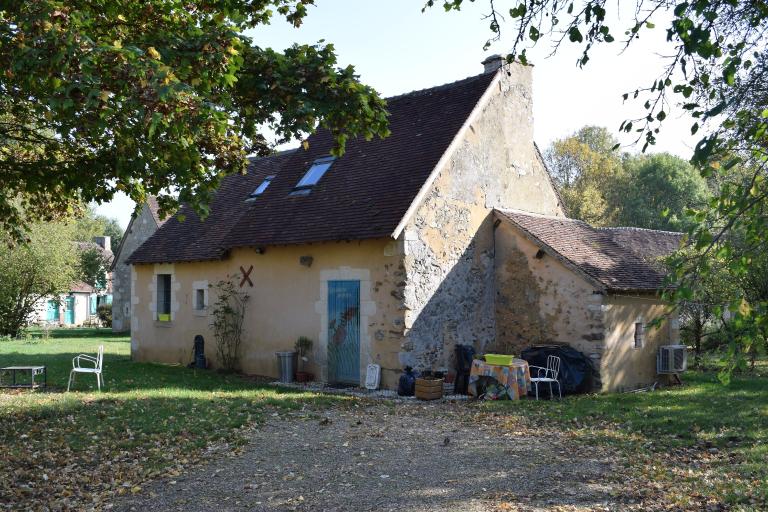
pixel 149 97
pixel 93 267
pixel 91 224
pixel 657 190
pixel 606 188
pixel 586 172
pixel 45 266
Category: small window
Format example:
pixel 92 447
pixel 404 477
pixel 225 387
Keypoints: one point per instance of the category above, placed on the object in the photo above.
pixel 200 299
pixel 639 335
pixel 263 186
pixel 313 175
pixel 164 297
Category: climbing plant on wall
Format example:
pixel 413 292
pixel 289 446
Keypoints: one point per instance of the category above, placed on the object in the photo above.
pixel 228 314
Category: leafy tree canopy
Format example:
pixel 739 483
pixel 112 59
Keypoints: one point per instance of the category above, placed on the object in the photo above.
pixel 45 266
pixel 153 97
pixel 90 224
pixel 93 267
pixel 587 173
pixel 606 188
pixel 657 190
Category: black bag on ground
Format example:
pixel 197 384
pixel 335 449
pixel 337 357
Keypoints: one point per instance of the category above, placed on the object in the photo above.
pixel 407 384
pixel 577 373
pixel 464 356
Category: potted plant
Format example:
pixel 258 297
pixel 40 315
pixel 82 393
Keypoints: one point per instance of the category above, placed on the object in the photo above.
pixel 303 347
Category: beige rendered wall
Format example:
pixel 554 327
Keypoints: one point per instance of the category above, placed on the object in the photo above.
pixel 288 300
pixel 623 366
pixel 449 247
pixel 540 300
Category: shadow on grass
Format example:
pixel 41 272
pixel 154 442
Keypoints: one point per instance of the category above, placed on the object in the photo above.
pixel 81 332
pixel 125 376
pixel 143 399
pixel 699 426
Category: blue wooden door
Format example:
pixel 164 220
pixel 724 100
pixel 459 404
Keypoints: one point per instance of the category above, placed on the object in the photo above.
pixel 52 314
pixel 69 313
pixel 344 331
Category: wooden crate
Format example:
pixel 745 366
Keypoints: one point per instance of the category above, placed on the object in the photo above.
pixel 429 389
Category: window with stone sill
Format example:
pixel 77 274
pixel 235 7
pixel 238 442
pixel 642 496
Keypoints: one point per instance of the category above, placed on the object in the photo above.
pixel 200 304
pixel 639 339
pixel 164 297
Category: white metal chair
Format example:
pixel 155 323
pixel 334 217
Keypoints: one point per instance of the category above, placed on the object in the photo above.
pixel 97 362
pixel 548 375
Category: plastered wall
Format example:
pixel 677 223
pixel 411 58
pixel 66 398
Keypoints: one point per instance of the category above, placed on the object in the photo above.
pixel 623 366
pixel 287 300
pixel 539 300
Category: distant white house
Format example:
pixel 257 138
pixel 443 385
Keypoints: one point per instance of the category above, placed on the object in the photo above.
pixel 79 305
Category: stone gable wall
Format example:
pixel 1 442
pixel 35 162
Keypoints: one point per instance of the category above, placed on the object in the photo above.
pixel 142 227
pixel 449 243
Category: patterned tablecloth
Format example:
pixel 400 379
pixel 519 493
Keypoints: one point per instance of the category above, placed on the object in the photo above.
pixel 510 381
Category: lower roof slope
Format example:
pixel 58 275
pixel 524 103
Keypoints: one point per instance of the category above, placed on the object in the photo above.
pixel 365 193
pixel 620 259
pixel 196 240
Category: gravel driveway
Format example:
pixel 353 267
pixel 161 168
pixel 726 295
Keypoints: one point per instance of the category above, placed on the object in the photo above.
pixel 391 456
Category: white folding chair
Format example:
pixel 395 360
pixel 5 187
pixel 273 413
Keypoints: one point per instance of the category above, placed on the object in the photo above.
pixel 97 362
pixel 548 375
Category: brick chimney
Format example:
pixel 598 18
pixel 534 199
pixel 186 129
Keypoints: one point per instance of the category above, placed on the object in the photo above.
pixel 492 63
pixel 105 242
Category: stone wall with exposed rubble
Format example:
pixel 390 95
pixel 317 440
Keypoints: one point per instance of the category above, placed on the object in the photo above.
pixel 141 228
pixel 449 291
pixel 541 301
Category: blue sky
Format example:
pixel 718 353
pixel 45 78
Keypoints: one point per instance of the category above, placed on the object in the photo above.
pixel 396 48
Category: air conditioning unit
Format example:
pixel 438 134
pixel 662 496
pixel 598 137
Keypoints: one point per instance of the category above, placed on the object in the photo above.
pixel 672 359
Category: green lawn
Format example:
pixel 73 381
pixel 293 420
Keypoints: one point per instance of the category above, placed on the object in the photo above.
pixel 686 446
pixel 150 419
pixel 703 441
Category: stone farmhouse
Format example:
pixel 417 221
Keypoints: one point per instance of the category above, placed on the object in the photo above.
pixel 448 232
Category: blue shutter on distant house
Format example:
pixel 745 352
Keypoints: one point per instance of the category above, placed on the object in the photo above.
pixel 94 300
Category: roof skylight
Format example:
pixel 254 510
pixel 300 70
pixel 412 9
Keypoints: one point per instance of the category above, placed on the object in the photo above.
pixel 263 186
pixel 313 175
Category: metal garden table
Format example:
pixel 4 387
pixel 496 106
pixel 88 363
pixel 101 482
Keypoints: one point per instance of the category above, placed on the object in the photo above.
pixel 31 371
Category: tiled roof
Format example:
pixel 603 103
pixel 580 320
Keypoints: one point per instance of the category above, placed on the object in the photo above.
pixel 197 240
pixel 364 194
pixel 81 287
pixel 618 258
pixel 154 209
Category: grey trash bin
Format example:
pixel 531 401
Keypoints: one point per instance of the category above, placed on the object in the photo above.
pixel 286 364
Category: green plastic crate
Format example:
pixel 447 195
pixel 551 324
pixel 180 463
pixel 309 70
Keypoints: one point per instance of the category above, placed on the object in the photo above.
pixel 499 359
